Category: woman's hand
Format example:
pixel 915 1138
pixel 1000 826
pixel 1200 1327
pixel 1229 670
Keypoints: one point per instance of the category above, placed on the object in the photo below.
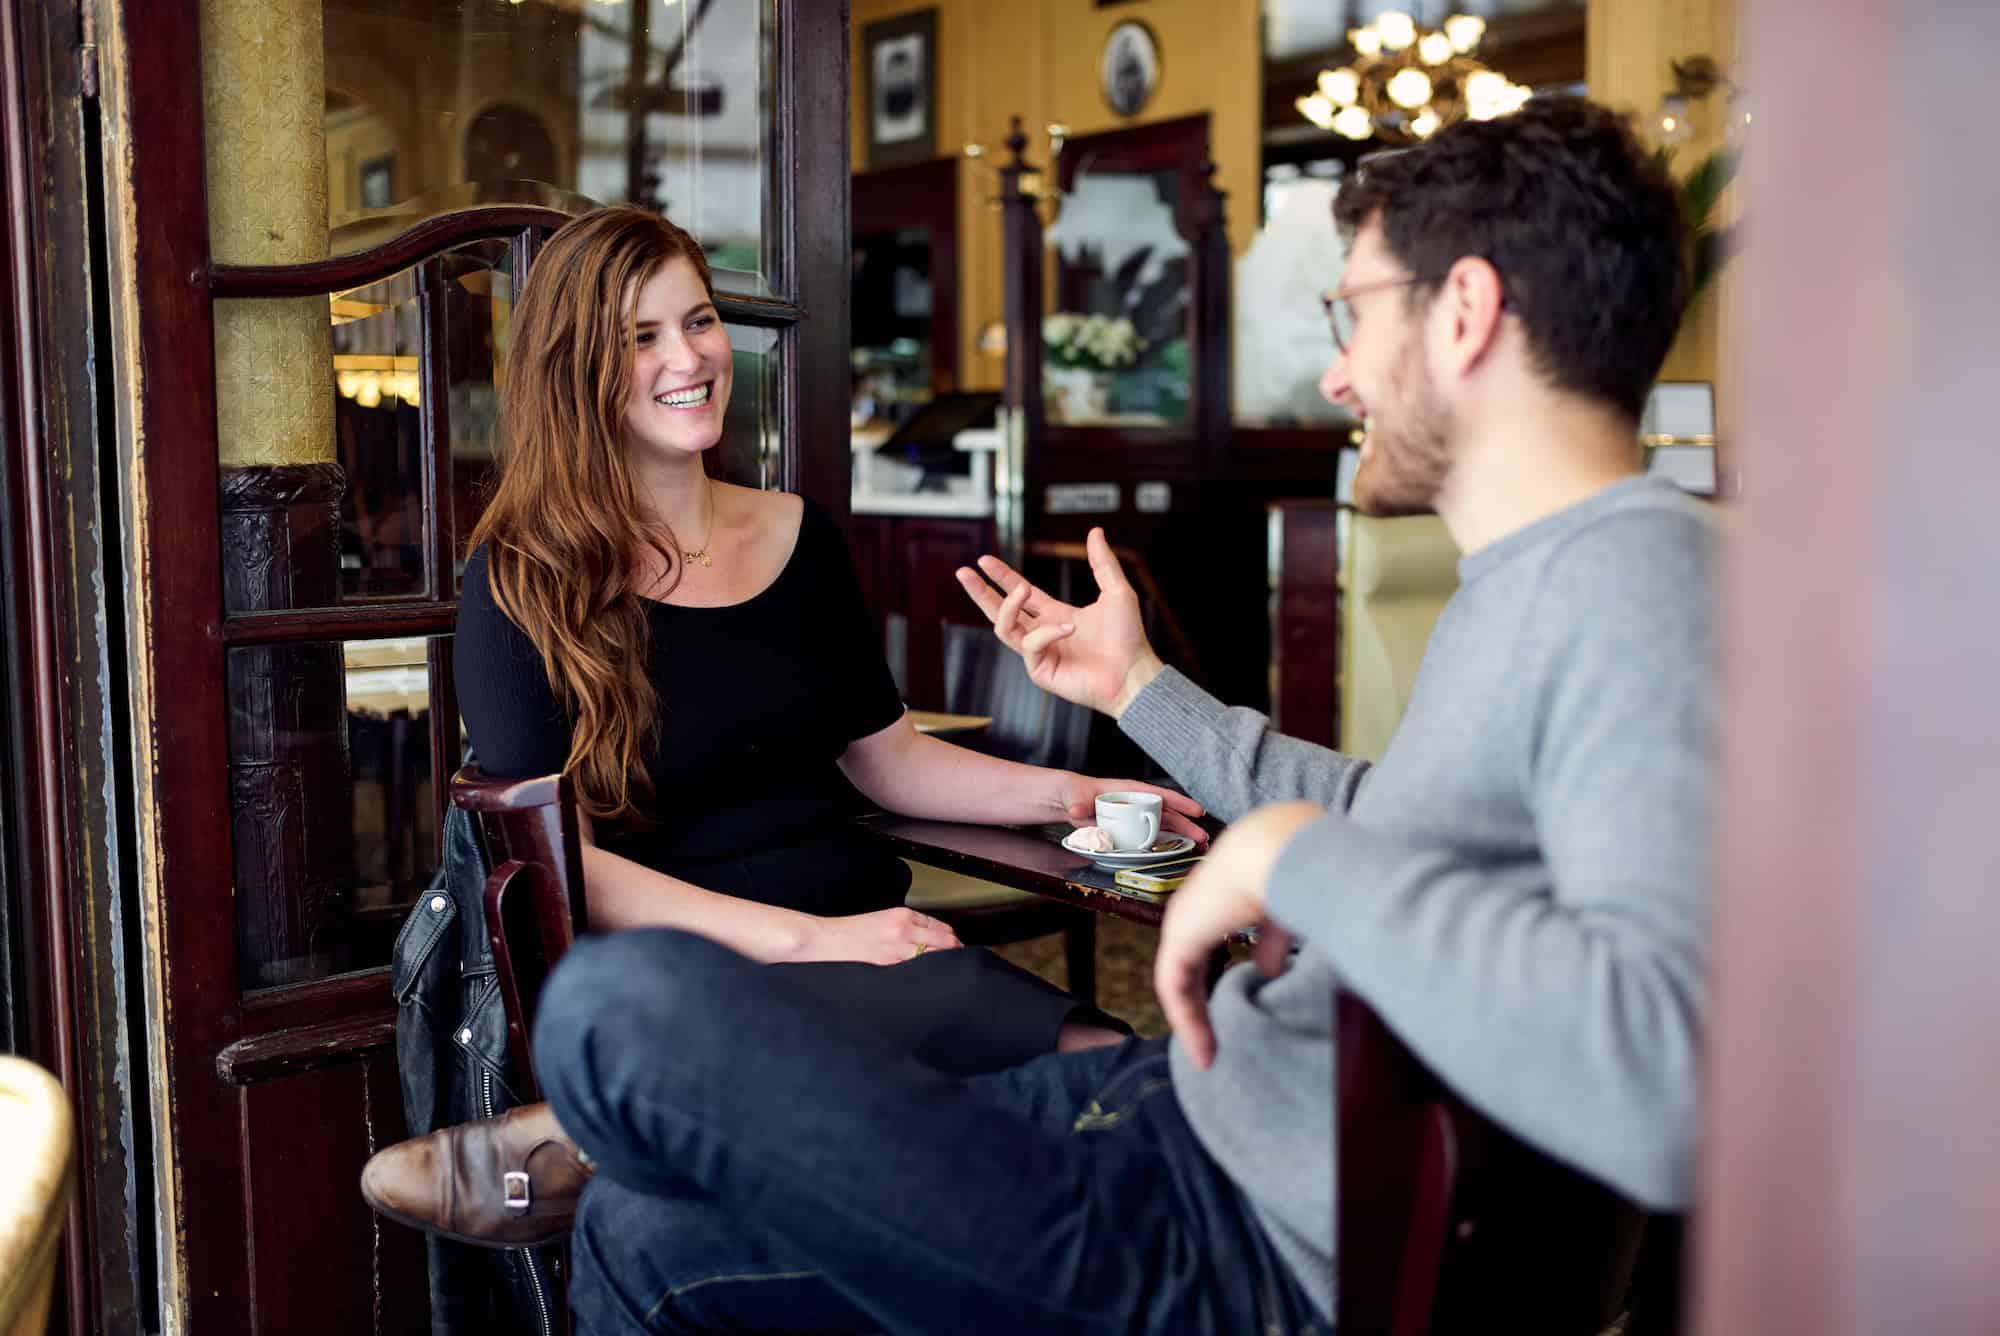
pixel 1177 810
pixel 885 937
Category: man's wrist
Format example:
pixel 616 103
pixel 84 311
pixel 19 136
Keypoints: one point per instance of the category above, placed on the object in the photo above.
pixel 1137 678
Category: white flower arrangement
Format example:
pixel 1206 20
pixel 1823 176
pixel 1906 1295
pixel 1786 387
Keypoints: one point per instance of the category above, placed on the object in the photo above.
pixel 1095 342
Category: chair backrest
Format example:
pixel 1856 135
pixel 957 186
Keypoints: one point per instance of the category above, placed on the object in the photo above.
pixel 534 901
pixel 984 677
pixel 1446 1223
pixel 34 1192
pixel 1398 576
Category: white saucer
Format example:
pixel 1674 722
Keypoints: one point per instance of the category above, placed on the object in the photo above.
pixel 1167 846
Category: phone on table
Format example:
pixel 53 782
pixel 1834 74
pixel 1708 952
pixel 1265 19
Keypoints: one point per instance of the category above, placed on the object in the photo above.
pixel 1155 878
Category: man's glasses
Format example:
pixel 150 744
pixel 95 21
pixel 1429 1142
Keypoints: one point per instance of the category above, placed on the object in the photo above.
pixel 1340 307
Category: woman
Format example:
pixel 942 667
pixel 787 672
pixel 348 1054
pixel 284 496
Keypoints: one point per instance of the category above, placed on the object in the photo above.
pixel 696 656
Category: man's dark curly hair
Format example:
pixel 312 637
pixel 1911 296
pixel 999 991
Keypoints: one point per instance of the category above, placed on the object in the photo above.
pixel 1582 223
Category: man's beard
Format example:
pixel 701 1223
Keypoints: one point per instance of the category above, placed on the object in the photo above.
pixel 1408 450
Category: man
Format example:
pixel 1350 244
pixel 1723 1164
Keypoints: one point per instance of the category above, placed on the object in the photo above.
pixel 1516 889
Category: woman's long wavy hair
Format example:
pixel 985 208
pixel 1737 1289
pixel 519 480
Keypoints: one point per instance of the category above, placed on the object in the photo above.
pixel 564 528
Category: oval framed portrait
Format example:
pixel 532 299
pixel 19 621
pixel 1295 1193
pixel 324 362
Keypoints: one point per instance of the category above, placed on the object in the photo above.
pixel 1129 70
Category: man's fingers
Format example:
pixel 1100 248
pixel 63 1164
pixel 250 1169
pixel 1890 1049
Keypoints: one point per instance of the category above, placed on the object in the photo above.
pixel 980 592
pixel 1007 617
pixel 1104 567
pixel 1181 825
pixel 1184 999
pixel 1274 949
pixel 1039 604
pixel 1037 641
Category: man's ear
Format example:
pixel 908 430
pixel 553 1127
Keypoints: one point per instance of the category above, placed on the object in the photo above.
pixel 1471 299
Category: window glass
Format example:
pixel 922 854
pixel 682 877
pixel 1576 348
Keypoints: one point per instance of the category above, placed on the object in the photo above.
pixel 437 106
pixel 335 829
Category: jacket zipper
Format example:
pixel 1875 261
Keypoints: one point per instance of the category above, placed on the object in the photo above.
pixel 528 1260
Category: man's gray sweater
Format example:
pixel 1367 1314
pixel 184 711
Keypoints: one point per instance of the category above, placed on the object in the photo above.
pixel 1517 888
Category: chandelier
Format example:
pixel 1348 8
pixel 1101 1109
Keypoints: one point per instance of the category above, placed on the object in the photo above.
pixel 1408 83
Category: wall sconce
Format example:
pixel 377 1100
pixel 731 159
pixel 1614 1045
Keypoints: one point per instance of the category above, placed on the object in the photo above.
pixel 1695 79
pixel 1036 182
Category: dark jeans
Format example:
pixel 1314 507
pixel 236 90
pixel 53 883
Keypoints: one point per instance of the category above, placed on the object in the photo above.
pixel 767 1163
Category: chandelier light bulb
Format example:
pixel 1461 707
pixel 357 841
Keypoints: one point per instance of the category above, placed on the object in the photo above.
pixel 1434 48
pixel 1517 97
pixel 1316 109
pixel 1464 31
pixel 1365 41
pixel 1410 89
pixel 1396 29
pixel 1426 124
pixel 1353 123
pixel 1340 87
pixel 1485 95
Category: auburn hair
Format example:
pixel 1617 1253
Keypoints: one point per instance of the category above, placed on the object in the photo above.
pixel 564 527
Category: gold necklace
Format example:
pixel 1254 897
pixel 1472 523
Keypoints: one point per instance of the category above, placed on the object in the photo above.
pixel 700 554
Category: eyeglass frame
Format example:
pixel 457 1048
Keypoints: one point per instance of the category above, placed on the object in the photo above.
pixel 1329 300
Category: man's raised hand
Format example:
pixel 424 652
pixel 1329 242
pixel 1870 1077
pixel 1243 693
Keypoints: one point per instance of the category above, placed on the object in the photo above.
pixel 1096 655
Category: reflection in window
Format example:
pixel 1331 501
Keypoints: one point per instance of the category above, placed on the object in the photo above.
pixel 1120 255
pixel 444 104
pixel 749 454
pixel 335 826
pixel 378 366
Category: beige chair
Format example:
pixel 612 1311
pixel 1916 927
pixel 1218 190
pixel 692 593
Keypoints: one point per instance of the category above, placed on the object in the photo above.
pixel 34 1192
pixel 1398 576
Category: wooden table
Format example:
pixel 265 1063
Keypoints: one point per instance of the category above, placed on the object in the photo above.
pixel 1026 858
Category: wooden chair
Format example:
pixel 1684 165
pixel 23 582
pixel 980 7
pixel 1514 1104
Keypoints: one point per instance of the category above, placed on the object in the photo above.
pixel 34 1192
pixel 1447 1224
pixel 534 903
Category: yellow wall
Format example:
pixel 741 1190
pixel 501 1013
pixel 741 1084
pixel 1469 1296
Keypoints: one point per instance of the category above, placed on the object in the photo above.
pixel 1630 49
pixel 1038 59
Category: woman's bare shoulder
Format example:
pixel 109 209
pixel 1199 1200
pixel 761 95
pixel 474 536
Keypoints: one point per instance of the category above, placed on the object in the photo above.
pixel 772 515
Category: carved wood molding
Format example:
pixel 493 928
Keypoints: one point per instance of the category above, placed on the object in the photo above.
pixel 305 1048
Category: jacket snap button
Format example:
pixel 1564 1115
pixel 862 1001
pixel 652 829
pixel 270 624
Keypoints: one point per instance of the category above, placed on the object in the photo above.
pixel 437 904
pixel 465 1036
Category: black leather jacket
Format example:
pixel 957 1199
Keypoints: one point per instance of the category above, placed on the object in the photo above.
pixel 451 1053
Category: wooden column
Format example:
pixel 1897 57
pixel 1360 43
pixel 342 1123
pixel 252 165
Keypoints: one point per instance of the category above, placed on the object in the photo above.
pixel 263 104
pixel 1021 241
pixel 1852 1182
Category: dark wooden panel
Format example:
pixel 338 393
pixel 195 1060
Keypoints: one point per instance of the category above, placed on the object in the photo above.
pixel 928 551
pixel 319 1261
pixel 811 198
pixel 1305 640
pixel 306 1048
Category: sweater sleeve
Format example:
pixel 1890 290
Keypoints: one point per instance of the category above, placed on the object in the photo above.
pixel 1567 1006
pixel 1230 758
pixel 511 715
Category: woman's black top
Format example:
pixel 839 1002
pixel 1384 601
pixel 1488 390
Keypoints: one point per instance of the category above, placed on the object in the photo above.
pixel 758 700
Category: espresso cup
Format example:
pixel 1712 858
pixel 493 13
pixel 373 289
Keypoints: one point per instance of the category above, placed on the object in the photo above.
pixel 1132 820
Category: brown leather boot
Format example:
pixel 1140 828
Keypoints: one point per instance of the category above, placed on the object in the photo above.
pixel 506 1182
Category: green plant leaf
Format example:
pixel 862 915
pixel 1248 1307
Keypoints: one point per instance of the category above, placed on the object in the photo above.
pixel 1702 190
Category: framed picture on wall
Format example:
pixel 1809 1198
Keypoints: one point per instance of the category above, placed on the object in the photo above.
pixel 378 182
pixel 899 62
pixel 1130 67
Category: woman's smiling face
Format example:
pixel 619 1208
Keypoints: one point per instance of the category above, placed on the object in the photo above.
pixel 681 364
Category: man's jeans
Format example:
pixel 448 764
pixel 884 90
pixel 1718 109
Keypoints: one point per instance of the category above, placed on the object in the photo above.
pixel 767 1164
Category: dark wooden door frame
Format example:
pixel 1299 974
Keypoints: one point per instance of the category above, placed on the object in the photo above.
pixel 63 669
pixel 162 273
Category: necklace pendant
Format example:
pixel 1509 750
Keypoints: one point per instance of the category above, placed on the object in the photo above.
pixel 700 556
